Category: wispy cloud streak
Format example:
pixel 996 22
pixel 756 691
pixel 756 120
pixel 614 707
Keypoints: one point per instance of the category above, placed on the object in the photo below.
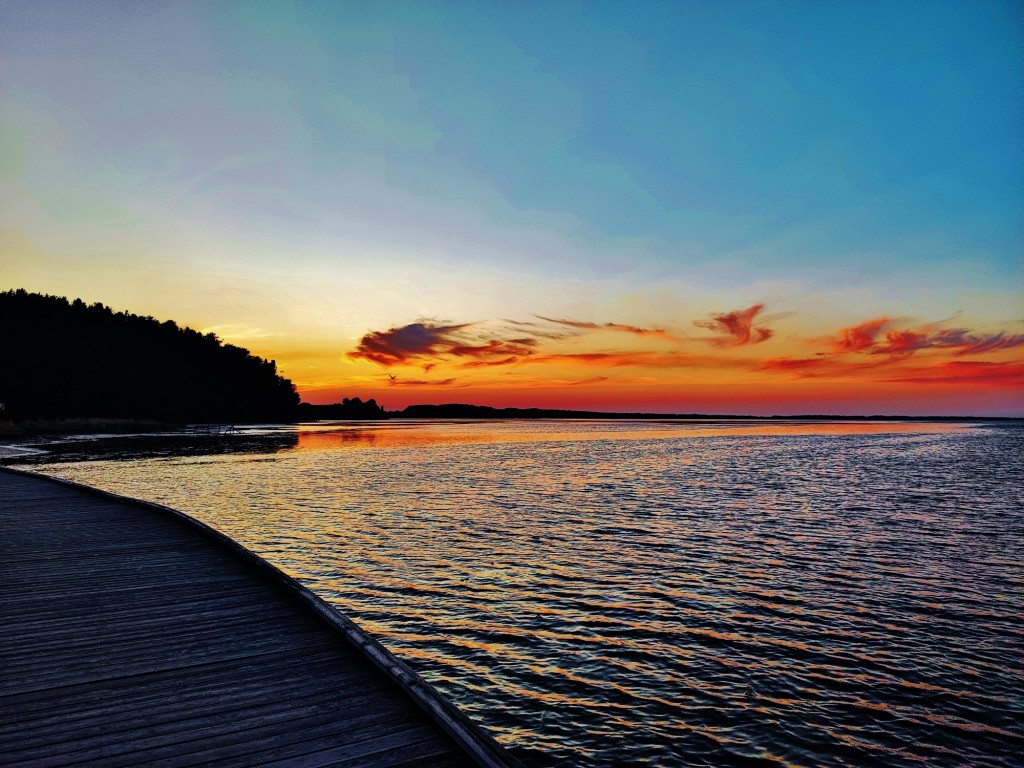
pixel 737 328
pixel 868 338
pixel 474 345
pixel 862 336
pixel 963 372
pixel 422 382
pixel 582 325
pixel 880 350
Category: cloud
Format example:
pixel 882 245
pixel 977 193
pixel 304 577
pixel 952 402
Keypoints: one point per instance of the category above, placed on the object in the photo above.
pixel 538 331
pixel 902 343
pixel 429 341
pixel 906 341
pixel 422 383
pixel 490 363
pixel 862 336
pixel 961 340
pixel 988 344
pixel 964 372
pixel 799 364
pixel 737 328
pixel 399 345
pixel 493 347
pixel 642 359
pixel 603 359
pixel 471 345
pixel 621 327
pixel 894 370
pixel 877 350
pixel 822 366
pixel 585 382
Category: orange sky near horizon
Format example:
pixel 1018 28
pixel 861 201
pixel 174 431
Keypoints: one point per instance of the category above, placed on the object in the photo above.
pixel 742 361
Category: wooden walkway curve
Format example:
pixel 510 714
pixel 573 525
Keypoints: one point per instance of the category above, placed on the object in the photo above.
pixel 132 635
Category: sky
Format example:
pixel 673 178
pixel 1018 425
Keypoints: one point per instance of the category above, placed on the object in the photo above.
pixel 714 207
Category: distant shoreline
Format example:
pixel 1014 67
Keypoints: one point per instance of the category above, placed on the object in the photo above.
pixel 448 411
pixel 464 411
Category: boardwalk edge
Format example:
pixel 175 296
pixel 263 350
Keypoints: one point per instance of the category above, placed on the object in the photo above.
pixel 475 741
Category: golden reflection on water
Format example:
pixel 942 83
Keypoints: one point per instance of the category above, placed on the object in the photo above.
pixel 428 433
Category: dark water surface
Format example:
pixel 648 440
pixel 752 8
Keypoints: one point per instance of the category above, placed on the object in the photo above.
pixel 654 593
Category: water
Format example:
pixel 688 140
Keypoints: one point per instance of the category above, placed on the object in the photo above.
pixel 661 594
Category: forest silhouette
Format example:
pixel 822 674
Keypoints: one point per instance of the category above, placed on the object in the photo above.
pixel 68 359
pixel 349 409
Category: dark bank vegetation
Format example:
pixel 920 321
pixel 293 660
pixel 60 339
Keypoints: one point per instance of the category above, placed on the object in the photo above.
pixel 353 408
pixel 466 411
pixel 71 360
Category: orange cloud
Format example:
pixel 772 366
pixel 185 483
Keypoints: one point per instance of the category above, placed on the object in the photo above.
pixel 907 341
pixel 493 347
pixel 604 359
pixel 737 328
pixel 822 366
pixel 861 336
pixel 397 382
pixel 893 369
pixel 624 328
pixel 643 359
pixel 962 341
pixel 586 382
pixel 874 351
pixel 990 343
pixel 799 364
pixel 490 363
pixel 538 331
pixel 964 372
pixel 426 343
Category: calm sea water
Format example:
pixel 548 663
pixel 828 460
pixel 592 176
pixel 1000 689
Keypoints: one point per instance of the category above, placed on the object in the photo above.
pixel 651 593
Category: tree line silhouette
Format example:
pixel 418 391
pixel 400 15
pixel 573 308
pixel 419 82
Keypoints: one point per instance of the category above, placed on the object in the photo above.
pixel 348 408
pixel 67 359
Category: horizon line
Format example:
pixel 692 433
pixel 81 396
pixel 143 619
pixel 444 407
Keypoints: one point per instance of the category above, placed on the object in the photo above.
pixel 676 415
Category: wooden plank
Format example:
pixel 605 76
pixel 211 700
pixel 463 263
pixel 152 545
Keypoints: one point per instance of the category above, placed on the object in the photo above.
pixel 169 685
pixel 287 742
pixel 28 713
pixel 109 662
pixel 88 602
pixel 165 705
pixel 403 747
pixel 225 716
pixel 125 616
pixel 155 607
pixel 151 627
pixel 138 636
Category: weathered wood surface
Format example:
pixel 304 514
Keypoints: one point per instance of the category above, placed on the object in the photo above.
pixel 131 637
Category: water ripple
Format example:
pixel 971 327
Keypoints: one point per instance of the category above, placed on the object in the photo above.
pixel 661 594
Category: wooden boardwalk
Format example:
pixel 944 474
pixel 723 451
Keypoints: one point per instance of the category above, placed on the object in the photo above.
pixel 131 635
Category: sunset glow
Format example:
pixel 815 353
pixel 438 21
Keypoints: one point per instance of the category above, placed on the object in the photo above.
pixel 683 207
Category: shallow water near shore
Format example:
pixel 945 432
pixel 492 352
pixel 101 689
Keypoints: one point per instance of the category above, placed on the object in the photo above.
pixel 649 593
